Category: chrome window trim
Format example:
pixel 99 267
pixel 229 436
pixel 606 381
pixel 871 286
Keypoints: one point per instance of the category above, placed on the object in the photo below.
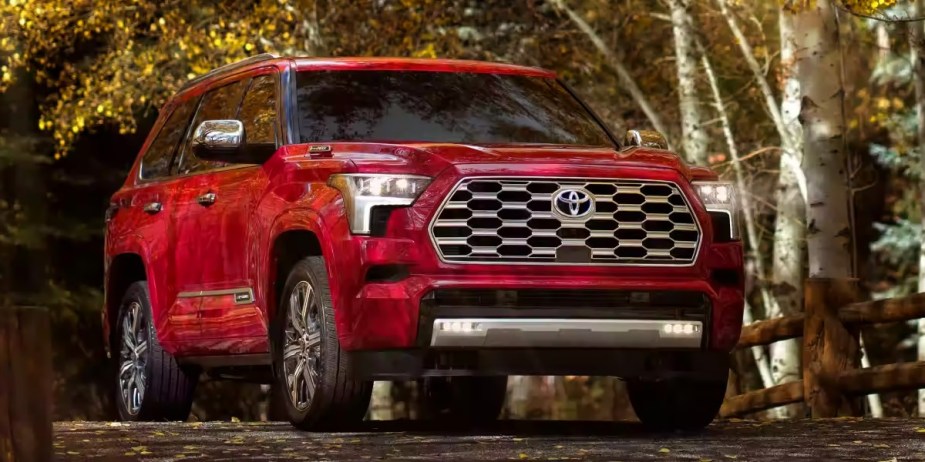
pixel 251 73
pixel 452 190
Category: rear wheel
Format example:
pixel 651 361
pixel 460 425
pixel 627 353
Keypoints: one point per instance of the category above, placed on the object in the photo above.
pixel 321 392
pixel 151 385
pixel 467 400
pixel 677 404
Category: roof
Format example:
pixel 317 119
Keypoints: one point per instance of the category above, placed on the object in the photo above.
pixel 374 64
pixel 413 64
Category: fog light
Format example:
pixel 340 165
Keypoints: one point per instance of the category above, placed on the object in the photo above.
pixel 458 326
pixel 681 328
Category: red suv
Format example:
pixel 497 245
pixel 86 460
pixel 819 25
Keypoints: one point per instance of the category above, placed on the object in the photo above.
pixel 323 223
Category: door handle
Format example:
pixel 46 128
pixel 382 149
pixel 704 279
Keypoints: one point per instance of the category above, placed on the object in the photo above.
pixel 206 199
pixel 152 207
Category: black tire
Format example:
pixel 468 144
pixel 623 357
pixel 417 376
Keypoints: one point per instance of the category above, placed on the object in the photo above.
pixel 678 404
pixel 462 400
pixel 339 400
pixel 166 389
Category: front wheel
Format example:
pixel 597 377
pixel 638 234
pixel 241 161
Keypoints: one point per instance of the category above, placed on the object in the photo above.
pixel 677 404
pixel 321 392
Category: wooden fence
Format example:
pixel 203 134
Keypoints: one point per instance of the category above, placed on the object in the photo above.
pixel 25 385
pixel 830 326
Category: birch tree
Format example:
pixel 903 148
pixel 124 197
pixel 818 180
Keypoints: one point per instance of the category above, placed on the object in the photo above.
pixel 822 114
pixel 789 229
pixel 694 138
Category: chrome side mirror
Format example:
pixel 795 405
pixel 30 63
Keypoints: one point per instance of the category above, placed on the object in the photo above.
pixel 216 139
pixel 645 139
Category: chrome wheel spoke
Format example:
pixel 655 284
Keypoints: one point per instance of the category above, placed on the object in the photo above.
pixel 128 335
pixel 309 376
pixel 295 387
pixel 296 318
pixel 141 348
pixel 292 350
pixel 135 318
pixel 314 338
pixel 127 366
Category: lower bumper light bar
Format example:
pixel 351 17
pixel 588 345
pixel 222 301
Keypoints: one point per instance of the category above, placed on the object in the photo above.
pixel 586 333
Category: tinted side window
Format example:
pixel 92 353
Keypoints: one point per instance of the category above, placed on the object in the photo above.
pixel 258 111
pixel 220 103
pixel 158 157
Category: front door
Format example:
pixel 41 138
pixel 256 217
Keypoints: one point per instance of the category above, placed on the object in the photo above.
pixel 213 222
pixel 196 216
pixel 234 314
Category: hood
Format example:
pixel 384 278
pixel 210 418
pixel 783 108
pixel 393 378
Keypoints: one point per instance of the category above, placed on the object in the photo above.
pixel 431 158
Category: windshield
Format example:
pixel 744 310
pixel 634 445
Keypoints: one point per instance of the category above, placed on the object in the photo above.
pixel 446 107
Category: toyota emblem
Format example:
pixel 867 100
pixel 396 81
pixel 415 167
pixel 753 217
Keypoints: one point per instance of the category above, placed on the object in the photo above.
pixel 573 203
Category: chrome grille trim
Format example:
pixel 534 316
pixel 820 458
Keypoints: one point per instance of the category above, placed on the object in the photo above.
pixel 673 238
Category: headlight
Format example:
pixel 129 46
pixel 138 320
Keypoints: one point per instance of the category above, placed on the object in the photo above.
pixel 721 197
pixel 362 192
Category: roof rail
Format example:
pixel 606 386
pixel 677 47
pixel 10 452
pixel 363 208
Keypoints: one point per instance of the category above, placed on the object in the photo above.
pixel 228 68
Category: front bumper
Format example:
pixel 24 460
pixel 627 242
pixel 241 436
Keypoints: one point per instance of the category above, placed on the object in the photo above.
pixel 391 315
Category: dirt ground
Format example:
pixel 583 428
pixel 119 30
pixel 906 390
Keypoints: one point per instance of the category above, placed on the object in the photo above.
pixel 735 440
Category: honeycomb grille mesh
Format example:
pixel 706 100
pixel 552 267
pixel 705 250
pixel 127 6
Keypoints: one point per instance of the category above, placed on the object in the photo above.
pixel 512 220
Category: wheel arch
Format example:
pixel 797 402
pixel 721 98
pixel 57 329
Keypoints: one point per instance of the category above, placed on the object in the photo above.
pixel 124 269
pixel 288 248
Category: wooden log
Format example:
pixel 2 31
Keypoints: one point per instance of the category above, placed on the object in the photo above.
pixel 889 310
pixel 829 348
pixel 879 379
pixel 25 385
pixel 771 330
pixel 759 400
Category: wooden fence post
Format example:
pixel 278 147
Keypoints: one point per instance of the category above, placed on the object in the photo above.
pixel 25 385
pixel 829 348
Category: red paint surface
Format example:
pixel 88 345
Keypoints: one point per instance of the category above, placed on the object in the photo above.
pixel 189 247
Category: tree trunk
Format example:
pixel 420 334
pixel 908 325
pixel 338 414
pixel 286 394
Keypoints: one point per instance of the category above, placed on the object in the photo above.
pixel 761 360
pixel 828 218
pixel 380 406
pixel 917 47
pixel 694 139
pixel 787 261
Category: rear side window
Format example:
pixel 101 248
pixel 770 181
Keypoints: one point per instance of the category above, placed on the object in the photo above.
pixel 258 111
pixel 220 103
pixel 157 159
pixel 449 107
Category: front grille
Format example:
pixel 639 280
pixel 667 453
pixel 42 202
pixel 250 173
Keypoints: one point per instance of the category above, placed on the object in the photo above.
pixel 566 221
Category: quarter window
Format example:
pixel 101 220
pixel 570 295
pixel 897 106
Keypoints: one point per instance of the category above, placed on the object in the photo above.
pixel 258 111
pixel 157 159
pixel 220 103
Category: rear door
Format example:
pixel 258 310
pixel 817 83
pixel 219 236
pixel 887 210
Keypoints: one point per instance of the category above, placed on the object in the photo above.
pixel 152 200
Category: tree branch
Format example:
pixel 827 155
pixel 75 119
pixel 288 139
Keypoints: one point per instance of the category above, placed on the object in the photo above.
pixel 617 64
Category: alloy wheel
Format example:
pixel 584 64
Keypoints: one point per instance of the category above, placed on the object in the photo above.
pixel 302 346
pixel 133 357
